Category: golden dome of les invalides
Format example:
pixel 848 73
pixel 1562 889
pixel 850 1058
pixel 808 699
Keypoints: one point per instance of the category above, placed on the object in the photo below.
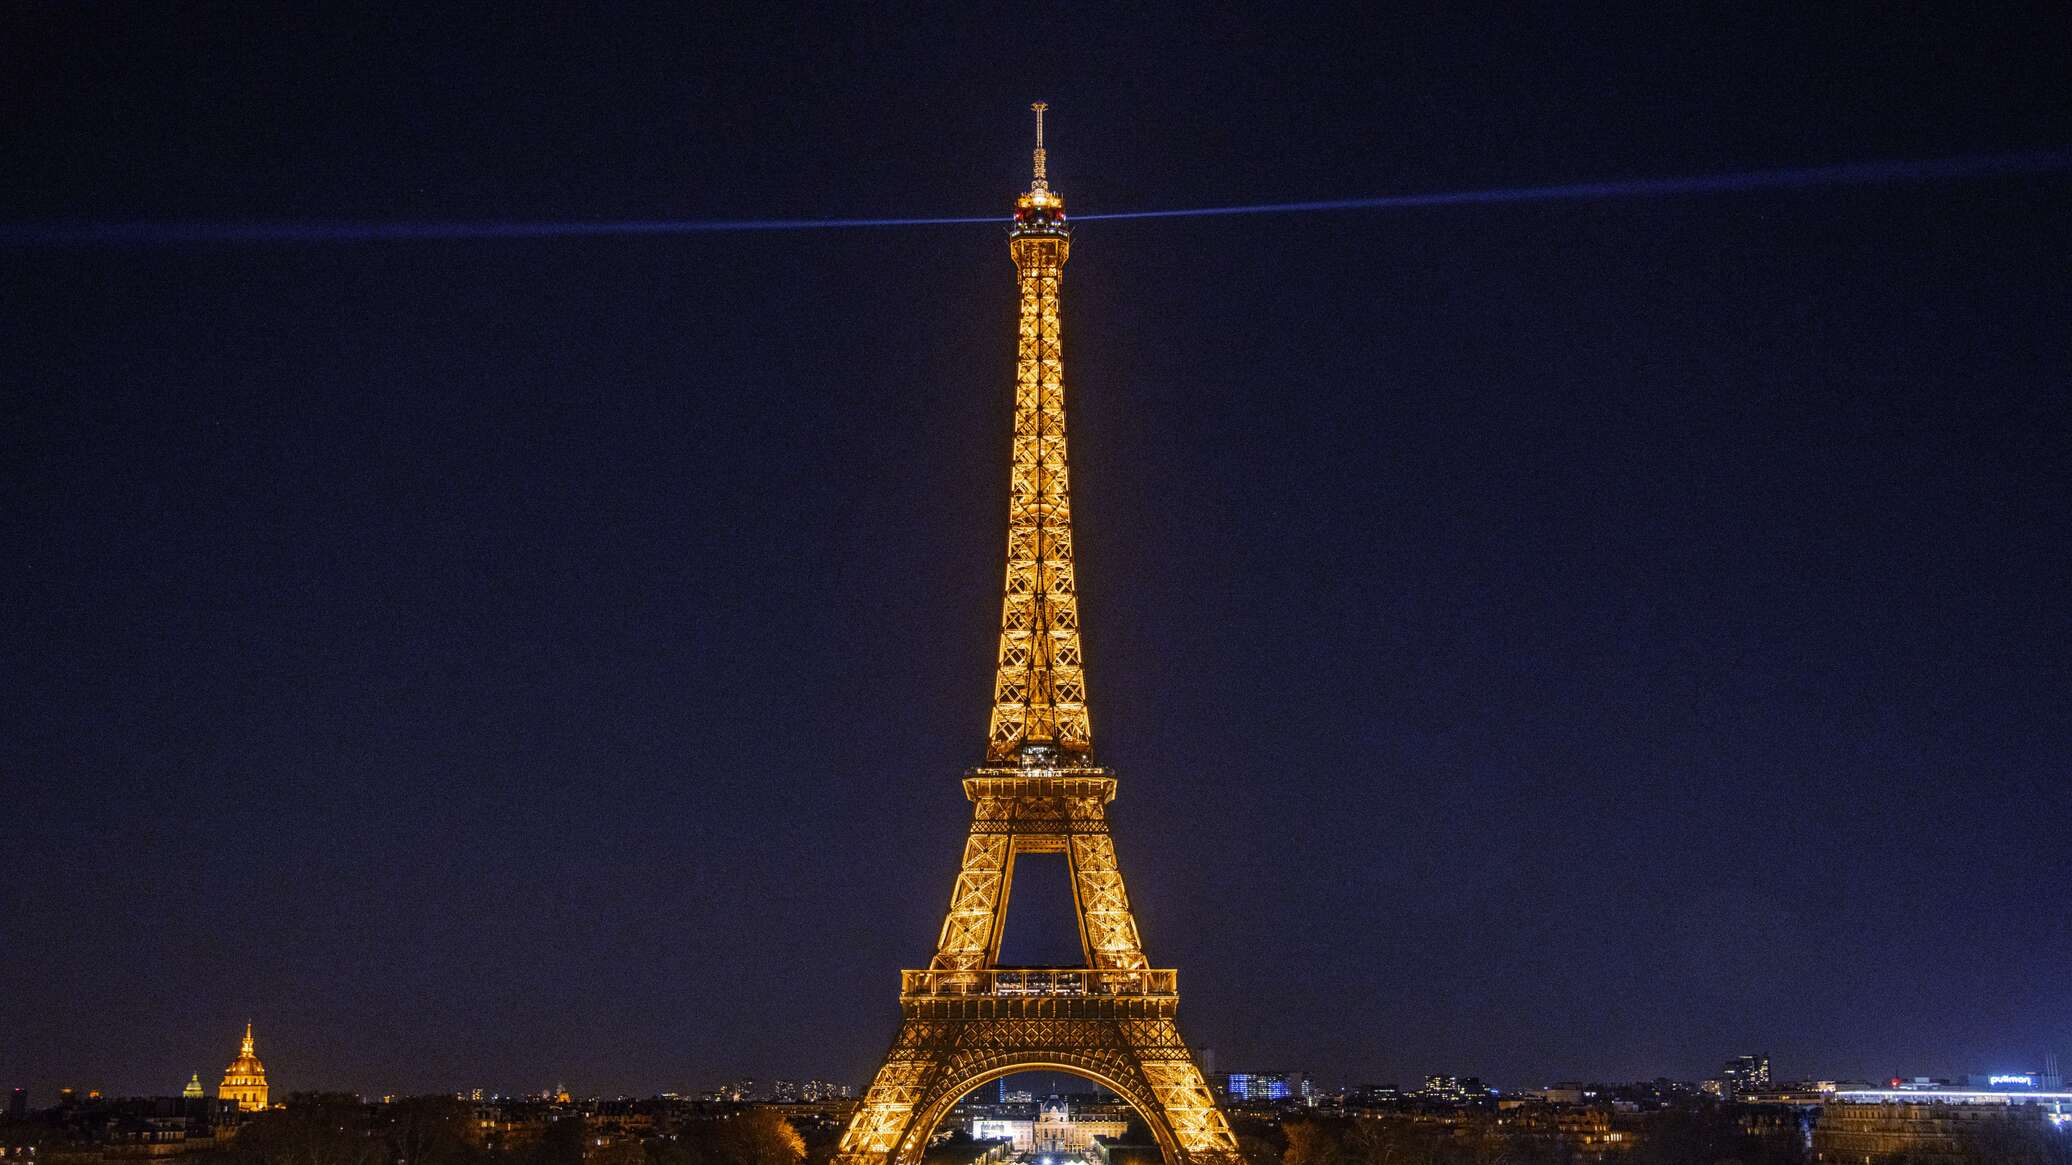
pixel 245 1080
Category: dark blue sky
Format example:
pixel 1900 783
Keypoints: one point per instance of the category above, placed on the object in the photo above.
pixel 1538 641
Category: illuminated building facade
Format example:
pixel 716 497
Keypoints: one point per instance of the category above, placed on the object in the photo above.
pixel 1948 1126
pixel 1056 1129
pixel 1746 1074
pixel 1740 1076
pixel 1453 1089
pixel 807 1091
pixel 1268 1087
pixel 1257 1086
pixel 244 1082
pixel 966 1020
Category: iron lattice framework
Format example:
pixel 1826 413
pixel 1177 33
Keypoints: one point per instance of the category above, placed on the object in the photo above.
pixel 1039 692
pixel 966 1020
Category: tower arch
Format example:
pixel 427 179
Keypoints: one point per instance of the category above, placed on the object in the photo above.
pixel 930 1110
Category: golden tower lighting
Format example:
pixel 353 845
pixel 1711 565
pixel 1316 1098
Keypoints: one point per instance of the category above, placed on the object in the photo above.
pixel 1039 692
pixel 966 1020
pixel 245 1080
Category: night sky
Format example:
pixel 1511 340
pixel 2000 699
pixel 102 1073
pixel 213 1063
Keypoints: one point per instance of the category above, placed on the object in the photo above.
pixel 1583 639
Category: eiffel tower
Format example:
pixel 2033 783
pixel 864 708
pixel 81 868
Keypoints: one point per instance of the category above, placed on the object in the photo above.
pixel 966 1020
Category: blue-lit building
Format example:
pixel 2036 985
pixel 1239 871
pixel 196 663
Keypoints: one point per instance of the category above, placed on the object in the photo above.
pixel 1260 1087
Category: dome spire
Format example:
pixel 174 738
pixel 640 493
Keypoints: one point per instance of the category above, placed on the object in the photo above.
pixel 244 1082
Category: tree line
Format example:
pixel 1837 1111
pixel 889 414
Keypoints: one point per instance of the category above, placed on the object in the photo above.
pixel 436 1130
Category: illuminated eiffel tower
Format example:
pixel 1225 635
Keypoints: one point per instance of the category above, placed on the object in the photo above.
pixel 966 1020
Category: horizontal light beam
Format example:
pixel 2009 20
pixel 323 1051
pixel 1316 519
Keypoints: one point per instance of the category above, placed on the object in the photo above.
pixel 139 233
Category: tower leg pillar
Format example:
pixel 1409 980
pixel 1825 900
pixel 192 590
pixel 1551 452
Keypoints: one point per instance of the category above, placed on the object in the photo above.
pixel 1200 1128
pixel 903 1085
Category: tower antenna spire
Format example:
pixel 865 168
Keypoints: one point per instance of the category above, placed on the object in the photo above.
pixel 1042 181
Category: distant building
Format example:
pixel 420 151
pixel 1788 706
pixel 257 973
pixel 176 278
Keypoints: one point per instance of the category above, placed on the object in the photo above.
pixel 1950 1126
pixel 2026 1079
pixel 1260 1087
pixel 1745 1074
pixel 807 1091
pixel 1739 1077
pixel 245 1080
pixel 1590 1130
pixel 193 1091
pixel 1056 1129
pixel 1453 1089
pixel 18 1103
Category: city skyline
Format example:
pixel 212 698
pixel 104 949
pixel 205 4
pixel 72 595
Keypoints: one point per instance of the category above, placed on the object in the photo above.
pixel 1543 642
pixel 722 1080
